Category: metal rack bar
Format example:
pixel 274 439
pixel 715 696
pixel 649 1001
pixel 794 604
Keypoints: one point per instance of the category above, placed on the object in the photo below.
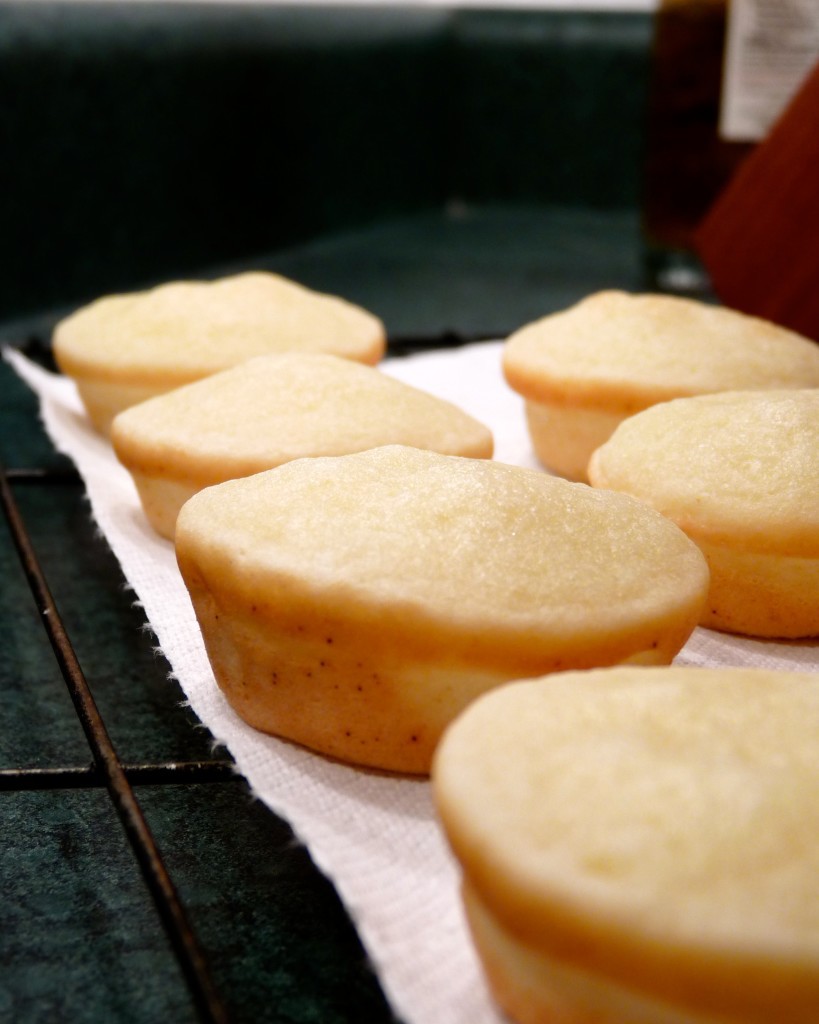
pixel 109 769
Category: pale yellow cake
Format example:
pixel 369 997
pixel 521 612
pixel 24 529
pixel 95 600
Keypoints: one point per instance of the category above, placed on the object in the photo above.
pixel 122 349
pixel 638 845
pixel 739 472
pixel 585 369
pixel 270 410
pixel 355 604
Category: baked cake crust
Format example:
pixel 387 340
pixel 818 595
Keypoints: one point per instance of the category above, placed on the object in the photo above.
pixel 583 370
pixel 739 473
pixel 650 830
pixel 121 349
pixel 271 410
pixel 357 603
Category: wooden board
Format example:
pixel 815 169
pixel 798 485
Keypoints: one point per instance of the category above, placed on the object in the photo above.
pixel 760 239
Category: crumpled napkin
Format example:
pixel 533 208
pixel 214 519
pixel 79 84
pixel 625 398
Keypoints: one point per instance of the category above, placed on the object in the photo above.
pixel 375 836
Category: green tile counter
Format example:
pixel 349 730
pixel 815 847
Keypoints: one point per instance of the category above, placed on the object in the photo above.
pixel 81 939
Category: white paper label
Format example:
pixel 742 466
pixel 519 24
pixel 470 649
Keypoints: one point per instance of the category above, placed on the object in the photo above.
pixel 771 47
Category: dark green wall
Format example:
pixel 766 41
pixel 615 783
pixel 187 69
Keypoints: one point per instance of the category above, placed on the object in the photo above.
pixel 139 142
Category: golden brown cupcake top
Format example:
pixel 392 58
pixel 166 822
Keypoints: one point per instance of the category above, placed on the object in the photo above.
pixel 184 330
pixel 657 826
pixel 481 550
pixel 276 408
pixel 737 467
pixel 629 351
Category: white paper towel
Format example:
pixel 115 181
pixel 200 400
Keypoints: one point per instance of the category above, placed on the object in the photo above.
pixel 374 836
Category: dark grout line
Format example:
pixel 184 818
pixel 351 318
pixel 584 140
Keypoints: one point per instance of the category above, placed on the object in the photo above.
pixel 89 776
